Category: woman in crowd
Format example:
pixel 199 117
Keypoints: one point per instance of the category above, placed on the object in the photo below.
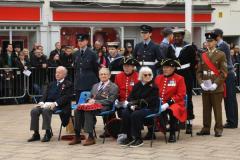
pixel 142 101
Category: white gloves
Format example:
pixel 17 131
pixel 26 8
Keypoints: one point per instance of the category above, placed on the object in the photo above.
pixel 213 87
pixel 164 106
pixel 125 103
pixel 204 87
pixel 133 108
pixel 41 104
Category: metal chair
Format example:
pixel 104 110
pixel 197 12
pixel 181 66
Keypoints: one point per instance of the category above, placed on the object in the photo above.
pixel 107 114
pixel 83 97
pixel 154 116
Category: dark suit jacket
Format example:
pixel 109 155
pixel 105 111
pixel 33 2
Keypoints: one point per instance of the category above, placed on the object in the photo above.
pixel 62 98
pixel 225 48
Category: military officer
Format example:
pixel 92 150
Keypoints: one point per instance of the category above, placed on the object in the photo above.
pixel 125 81
pixel 114 59
pixel 85 65
pixel 147 52
pixel 230 101
pixel 186 55
pixel 211 74
pixel 166 43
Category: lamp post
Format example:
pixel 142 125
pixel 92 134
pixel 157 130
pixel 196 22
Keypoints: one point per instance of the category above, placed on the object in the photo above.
pixel 188 17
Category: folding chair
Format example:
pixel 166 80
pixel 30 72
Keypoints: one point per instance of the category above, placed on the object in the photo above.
pixel 188 121
pixel 107 114
pixel 154 116
pixel 83 97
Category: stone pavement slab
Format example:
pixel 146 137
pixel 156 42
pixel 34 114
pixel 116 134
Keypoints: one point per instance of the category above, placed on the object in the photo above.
pixel 14 132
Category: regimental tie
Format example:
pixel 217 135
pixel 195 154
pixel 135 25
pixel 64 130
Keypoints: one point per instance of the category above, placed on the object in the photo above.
pixel 101 87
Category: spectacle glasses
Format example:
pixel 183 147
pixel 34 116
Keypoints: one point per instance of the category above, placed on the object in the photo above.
pixel 145 75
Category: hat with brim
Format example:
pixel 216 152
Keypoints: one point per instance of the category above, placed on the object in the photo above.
pixel 179 30
pixel 130 61
pixel 210 36
pixel 146 28
pixel 82 37
pixel 113 44
pixel 168 62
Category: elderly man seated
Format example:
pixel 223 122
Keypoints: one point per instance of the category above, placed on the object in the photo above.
pixel 57 96
pixel 104 93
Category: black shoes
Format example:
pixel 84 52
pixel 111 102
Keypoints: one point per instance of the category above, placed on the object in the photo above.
pixel 188 129
pixel 46 138
pixel 229 126
pixel 136 143
pixel 172 138
pixel 218 134
pixel 127 142
pixel 149 136
pixel 202 133
pixel 106 135
pixel 35 137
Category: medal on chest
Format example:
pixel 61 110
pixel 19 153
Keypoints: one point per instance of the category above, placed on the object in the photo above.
pixel 171 83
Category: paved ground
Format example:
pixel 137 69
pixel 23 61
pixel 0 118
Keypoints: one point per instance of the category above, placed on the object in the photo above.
pixel 14 124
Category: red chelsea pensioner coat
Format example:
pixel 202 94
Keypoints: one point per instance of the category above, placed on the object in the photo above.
pixel 125 84
pixel 173 88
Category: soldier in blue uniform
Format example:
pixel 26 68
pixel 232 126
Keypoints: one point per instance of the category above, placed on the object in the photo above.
pixel 147 52
pixel 230 101
pixel 85 65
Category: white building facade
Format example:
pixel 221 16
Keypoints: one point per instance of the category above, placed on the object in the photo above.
pixel 49 21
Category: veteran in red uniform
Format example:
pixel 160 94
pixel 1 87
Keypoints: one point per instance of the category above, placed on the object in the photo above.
pixel 172 90
pixel 125 82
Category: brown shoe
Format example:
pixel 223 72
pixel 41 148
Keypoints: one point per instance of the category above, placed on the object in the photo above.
pixel 89 141
pixel 75 140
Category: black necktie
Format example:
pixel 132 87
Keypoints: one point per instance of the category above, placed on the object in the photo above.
pixel 82 52
pixel 145 45
pixel 58 82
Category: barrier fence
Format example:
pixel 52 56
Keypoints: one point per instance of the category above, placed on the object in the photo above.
pixel 15 85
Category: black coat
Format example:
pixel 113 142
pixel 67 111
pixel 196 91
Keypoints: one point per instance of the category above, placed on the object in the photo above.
pixel 145 96
pixel 5 59
pixel 86 70
pixel 38 61
pixel 67 60
pixel 21 66
pixel 62 96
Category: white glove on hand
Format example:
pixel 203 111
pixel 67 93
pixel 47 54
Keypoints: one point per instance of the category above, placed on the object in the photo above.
pixel 40 104
pixel 52 105
pixel 133 108
pixel 125 103
pixel 116 102
pixel 204 88
pixel 47 105
pixel 164 106
pixel 213 87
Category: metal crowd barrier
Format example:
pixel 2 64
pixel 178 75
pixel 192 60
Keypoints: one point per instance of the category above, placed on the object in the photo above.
pixel 237 72
pixel 12 84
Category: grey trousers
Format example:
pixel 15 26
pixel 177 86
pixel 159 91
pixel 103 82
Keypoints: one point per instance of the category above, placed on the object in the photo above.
pixel 46 115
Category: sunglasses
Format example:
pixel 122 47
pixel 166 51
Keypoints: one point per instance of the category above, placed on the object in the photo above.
pixel 145 75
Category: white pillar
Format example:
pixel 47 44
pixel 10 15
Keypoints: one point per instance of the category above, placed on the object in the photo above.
pixel 92 34
pixel 188 17
pixel 55 36
pixel 44 39
pixel 10 36
pixel 122 37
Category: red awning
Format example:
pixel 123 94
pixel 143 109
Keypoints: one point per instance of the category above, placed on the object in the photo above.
pixel 19 13
pixel 127 17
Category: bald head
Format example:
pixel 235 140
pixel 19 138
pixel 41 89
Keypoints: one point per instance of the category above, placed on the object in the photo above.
pixel 61 73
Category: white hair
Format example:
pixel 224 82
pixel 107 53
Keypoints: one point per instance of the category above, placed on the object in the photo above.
pixel 144 70
pixel 62 68
pixel 104 69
